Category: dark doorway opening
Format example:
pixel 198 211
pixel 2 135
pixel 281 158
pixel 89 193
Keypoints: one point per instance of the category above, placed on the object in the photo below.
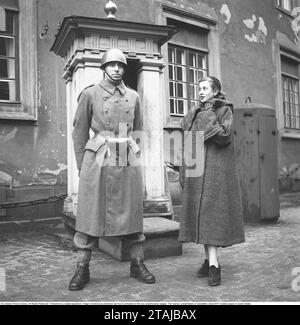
pixel 130 77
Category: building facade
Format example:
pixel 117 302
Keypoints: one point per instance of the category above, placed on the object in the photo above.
pixel 251 45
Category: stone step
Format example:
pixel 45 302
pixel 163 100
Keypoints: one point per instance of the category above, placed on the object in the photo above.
pixel 161 239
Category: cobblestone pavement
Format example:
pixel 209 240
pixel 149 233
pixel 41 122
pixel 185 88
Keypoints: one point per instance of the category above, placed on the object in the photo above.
pixel 37 266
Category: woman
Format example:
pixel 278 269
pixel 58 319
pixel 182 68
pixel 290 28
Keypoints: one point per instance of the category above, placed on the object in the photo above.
pixel 211 203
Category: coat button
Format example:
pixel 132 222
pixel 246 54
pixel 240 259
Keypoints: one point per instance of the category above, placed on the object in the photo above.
pixel 127 111
pixel 106 110
pixel 107 123
pixel 116 101
pixel 104 98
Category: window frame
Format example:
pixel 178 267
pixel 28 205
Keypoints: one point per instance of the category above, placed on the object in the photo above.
pixel 283 48
pixel 290 102
pixel 207 21
pixel 16 58
pixel 189 99
pixel 290 77
pixel 26 107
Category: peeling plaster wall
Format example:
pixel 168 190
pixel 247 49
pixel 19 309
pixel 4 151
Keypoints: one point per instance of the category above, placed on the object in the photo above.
pixel 246 51
pixel 37 153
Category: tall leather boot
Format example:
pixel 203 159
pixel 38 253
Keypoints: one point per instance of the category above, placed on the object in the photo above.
pixel 80 278
pixel 82 273
pixel 139 271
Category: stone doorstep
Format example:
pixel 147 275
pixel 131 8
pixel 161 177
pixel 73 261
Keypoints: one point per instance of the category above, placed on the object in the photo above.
pixel 161 239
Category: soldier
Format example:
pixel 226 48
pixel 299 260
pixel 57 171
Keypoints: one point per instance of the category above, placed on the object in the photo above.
pixel 110 195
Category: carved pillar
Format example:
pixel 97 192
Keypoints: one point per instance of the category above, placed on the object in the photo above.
pixel 149 90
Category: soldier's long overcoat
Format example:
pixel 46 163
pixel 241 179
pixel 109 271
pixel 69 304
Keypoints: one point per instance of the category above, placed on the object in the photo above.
pixel 110 196
pixel 212 206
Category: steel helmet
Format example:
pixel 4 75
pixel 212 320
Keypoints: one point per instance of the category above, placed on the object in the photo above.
pixel 113 55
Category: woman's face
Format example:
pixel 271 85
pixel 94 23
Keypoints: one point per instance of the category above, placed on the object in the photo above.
pixel 205 91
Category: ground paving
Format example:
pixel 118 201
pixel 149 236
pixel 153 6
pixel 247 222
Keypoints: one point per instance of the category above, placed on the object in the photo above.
pixel 37 266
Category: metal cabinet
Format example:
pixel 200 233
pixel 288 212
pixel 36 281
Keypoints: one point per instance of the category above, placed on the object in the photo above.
pixel 256 140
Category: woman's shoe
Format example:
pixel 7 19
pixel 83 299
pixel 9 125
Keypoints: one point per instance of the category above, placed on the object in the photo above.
pixel 203 271
pixel 214 275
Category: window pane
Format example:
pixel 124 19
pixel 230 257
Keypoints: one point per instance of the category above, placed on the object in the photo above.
pixel 289 66
pixel 192 60
pixel 7 68
pixel 172 106
pixel 179 74
pixel 171 73
pixel 296 99
pixel 171 53
pixel 201 74
pixel 201 62
pixel 295 86
pixel 180 107
pixel 194 92
pixel 7 90
pixel 171 89
pixel 179 57
pixel 180 90
pixel 7 46
pixel 10 24
pixel 193 78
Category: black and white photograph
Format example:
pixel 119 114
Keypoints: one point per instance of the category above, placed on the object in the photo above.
pixel 150 155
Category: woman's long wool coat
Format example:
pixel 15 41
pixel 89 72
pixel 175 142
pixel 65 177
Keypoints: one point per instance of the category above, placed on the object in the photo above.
pixel 211 203
pixel 110 195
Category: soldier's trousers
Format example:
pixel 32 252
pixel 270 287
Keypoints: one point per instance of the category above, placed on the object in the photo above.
pixel 86 243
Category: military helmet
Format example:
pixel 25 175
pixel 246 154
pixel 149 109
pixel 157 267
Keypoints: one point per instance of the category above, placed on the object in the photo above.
pixel 113 55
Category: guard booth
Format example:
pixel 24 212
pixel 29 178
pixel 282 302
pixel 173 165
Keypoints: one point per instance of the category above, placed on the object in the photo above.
pixel 81 42
pixel 256 140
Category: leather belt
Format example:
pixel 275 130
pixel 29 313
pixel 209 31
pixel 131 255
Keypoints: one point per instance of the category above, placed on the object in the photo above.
pixel 105 140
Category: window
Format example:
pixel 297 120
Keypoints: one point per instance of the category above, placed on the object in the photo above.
pixel 192 52
pixel 187 63
pixel 186 67
pixel 290 92
pixel 18 60
pixel 287 5
pixel 9 56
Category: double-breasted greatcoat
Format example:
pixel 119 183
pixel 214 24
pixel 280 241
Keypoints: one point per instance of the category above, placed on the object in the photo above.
pixel 110 194
pixel 211 203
